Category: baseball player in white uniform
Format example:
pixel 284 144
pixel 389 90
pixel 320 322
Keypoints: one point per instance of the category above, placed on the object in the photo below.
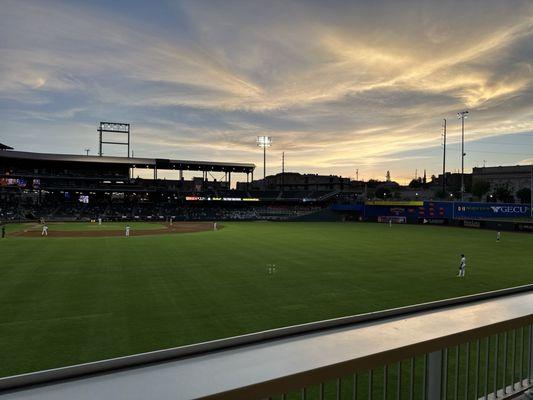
pixel 462 266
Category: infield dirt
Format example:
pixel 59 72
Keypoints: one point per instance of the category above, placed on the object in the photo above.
pixel 177 227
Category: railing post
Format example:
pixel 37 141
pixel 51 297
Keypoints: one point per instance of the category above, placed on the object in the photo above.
pixel 530 368
pixel 434 372
pixel 529 392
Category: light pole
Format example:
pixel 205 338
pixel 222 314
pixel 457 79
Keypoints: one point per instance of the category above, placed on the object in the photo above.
pixel 462 116
pixel 444 160
pixel 264 142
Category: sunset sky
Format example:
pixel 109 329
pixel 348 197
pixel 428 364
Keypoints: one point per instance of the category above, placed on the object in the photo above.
pixel 339 85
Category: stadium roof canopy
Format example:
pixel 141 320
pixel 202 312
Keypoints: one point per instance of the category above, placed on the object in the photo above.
pixel 5 147
pixel 133 162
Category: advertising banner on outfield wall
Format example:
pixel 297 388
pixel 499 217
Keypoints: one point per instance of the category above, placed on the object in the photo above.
pixel 348 207
pixel 438 210
pixel 412 213
pixel 466 210
pixel 489 210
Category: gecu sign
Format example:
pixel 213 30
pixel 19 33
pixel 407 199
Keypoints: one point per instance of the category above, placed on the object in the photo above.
pixel 509 209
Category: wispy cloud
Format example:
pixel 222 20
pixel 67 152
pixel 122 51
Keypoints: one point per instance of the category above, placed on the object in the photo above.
pixel 351 85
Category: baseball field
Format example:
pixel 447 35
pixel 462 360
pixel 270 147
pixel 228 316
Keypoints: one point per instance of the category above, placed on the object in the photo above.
pixel 74 297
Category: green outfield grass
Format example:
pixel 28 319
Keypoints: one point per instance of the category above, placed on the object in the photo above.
pixel 71 300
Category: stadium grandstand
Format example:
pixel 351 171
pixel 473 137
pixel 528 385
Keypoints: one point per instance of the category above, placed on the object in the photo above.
pixel 83 187
pixel 5 147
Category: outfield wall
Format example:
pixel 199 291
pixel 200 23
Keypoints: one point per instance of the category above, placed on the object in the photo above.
pixel 502 216
pixel 414 210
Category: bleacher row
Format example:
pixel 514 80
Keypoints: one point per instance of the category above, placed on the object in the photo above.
pixel 151 211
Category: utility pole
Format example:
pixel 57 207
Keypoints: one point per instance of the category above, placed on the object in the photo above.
pixel 462 116
pixel 357 174
pixel 282 172
pixel 87 150
pixel 264 164
pixel 444 159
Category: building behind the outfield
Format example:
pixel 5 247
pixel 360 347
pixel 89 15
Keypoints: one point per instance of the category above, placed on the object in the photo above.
pixel 514 177
pixel 293 181
pixel 453 181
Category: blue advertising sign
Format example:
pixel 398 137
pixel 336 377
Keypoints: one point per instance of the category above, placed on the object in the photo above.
pixel 411 213
pixel 347 207
pixel 438 209
pixel 464 210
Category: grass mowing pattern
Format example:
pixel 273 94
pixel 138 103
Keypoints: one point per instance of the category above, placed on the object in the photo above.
pixel 65 301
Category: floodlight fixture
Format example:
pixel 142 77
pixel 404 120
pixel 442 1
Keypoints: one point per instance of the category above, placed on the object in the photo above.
pixel 113 129
pixel 462 114
pixel 264 142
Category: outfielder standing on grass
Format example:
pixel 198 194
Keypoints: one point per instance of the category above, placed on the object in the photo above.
pixel 462 266
pixel 128 230
pixel 44 232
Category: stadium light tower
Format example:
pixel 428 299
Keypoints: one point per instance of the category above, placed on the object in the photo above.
pixel 264 142
pixel 462 116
